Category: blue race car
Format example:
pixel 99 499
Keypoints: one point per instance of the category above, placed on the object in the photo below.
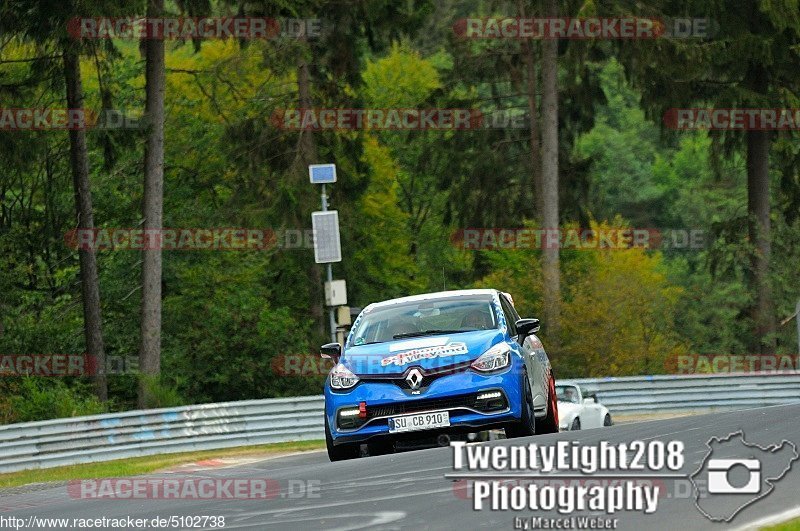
pixel 437 364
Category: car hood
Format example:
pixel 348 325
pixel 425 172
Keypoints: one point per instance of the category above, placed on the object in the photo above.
pixel 429 353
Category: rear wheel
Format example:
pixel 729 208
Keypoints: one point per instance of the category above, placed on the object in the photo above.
pixel 607 420
pixel 576 424
pixel 549 424
pixel 340 452
pixel 526 425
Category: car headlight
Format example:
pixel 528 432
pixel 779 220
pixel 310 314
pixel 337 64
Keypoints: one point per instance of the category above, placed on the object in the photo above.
pixel 342 377
pixel 497 357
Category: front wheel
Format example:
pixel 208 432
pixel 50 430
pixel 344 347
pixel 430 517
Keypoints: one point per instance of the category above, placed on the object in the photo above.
pixel 607 420
pixel 576 424
pixel 340 452
pixel 526 425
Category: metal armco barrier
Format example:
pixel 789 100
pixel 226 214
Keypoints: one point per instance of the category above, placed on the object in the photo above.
pixel 98 438
pixel 694 393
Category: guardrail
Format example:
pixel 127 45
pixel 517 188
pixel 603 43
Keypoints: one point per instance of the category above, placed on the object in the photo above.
pixel 98 438
pixel 694 393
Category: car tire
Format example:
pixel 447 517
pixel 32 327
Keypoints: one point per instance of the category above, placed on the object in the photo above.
pixel 340 452
pixel 549 424
pixel 576 425
pixel 607 420
pixel 526 426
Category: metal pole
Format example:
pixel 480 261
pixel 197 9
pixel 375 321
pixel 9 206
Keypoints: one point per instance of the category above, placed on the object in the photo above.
pixel 331 317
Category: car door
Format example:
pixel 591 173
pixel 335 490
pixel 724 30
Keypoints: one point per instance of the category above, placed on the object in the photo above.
pixel 591 410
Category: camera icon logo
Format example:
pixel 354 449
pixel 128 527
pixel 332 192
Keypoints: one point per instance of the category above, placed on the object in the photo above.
pixel 720 483
pixel 735 474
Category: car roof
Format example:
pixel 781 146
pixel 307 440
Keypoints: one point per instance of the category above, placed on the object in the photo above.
pixel 435 295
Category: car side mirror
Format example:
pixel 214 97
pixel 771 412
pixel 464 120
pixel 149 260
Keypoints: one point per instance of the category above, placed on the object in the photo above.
pixel 332 351
pixel 526 327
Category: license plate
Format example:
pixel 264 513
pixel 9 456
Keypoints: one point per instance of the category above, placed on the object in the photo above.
pixel 422 421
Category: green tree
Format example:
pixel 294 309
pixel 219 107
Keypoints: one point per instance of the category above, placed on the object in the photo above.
pixel 153 204
pixel 747 63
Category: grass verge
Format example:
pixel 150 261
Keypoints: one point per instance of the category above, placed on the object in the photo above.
pixel 143 465
pixel 791 525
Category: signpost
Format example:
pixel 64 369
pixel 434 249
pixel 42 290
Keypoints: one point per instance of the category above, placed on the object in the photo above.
pixel 327 244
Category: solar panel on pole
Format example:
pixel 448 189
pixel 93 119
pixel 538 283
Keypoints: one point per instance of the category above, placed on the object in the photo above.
pixel 322 173
pixel 327 246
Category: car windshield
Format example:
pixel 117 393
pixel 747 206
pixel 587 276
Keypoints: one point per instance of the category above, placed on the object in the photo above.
pixel 567 393
pixel 425 318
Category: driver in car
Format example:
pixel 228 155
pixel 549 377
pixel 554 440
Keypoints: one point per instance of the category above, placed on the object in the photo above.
pixel 569 395
pixel 477 320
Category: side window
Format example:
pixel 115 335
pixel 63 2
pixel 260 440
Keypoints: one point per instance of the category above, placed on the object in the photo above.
pixel 510 315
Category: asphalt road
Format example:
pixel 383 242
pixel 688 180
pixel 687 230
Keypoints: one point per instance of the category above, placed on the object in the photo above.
pixel 409 490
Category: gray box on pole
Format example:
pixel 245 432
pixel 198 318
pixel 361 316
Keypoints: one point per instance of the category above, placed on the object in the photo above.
pixel 336 293
pixel 327 247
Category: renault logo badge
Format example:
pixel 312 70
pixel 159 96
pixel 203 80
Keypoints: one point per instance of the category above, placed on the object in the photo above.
pixel 414 379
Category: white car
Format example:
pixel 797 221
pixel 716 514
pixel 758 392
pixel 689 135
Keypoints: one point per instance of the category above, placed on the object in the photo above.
pixel 579 409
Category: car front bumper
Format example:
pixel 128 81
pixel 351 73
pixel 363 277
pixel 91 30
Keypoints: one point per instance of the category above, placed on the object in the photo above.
pixel 455 393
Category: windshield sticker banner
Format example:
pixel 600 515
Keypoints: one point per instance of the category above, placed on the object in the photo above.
pixel 419 343
pixel 442 351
